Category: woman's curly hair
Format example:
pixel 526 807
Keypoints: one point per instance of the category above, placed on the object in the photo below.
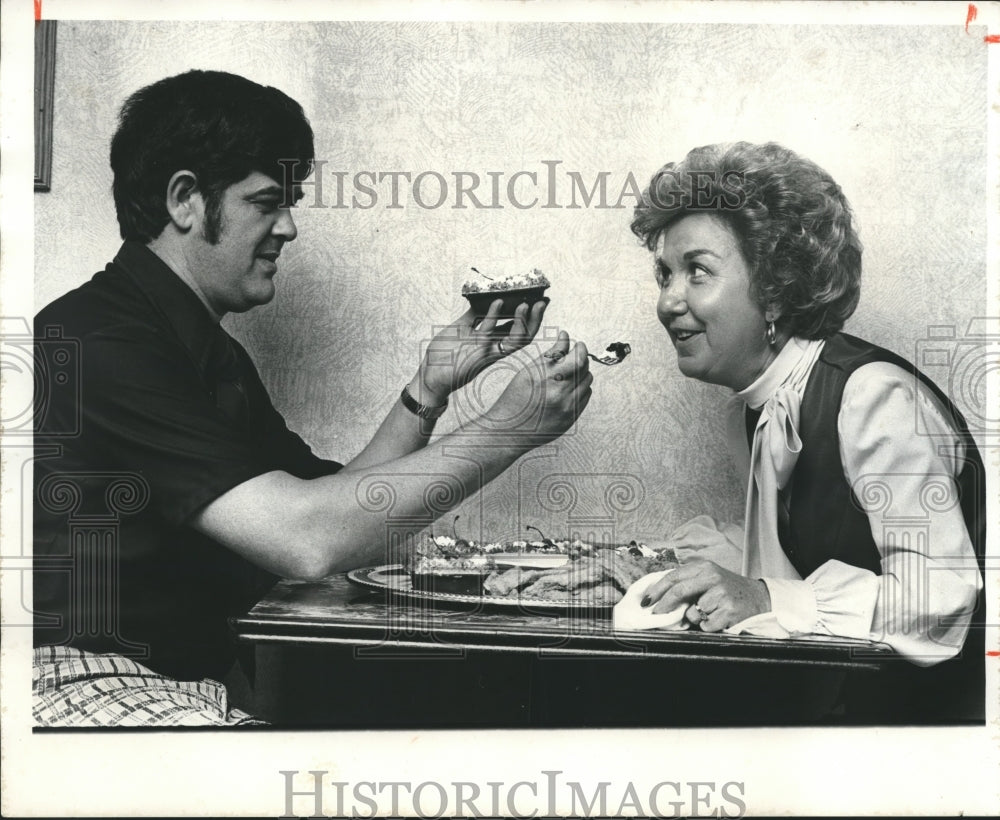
pixel 791 220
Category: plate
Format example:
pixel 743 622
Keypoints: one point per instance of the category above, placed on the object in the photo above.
pixel 396 580
pixel 529 560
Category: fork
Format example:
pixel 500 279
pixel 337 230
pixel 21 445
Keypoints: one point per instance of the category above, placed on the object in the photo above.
pixel 619 349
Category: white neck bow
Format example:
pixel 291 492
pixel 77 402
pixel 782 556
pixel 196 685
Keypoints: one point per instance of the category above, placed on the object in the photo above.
pixel 773 454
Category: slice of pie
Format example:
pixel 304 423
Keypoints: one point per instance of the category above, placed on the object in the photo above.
pixel 513 290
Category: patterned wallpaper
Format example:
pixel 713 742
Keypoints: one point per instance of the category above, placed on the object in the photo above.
pixel 899 121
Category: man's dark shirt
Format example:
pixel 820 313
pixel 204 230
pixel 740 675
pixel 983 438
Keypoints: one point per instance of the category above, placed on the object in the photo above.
pixel 123 463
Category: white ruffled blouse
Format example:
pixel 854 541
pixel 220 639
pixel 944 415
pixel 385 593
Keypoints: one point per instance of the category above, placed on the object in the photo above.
pixel 894 436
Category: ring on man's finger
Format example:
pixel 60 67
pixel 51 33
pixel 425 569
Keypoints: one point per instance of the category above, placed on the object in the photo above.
pixel 501 348
pixel 702 614
pixel 555 355
pixel 558 377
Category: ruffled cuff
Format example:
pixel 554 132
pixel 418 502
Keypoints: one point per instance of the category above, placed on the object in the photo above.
pixel 794 605
pixel 793 612
pixel 837 599
pixel 845 599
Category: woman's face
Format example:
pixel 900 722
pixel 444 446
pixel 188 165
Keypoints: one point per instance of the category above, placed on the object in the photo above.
pixel 705 303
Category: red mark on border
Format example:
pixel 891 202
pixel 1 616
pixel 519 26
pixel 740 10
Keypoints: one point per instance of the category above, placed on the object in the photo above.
pixel 38 10
pixel 992 654
pixel 991 38
pixel 973 11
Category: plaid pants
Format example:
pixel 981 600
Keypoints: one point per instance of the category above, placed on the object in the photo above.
pixel 76 688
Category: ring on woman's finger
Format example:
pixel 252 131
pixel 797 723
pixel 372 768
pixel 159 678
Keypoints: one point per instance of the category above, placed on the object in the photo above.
pixel 501 348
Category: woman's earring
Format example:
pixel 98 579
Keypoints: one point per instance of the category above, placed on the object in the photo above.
pixel 770 334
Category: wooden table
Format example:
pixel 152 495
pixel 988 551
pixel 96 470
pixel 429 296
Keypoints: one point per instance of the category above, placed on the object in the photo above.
pixel 334 654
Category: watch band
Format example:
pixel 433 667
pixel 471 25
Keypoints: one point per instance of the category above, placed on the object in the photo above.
pixel 422 410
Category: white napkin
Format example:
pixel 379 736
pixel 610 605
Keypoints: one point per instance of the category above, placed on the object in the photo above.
pixel 630 614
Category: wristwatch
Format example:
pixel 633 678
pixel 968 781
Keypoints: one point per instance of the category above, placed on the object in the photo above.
pixel 422 410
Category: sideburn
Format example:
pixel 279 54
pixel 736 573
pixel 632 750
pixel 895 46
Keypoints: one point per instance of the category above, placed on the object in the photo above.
pixel 213 218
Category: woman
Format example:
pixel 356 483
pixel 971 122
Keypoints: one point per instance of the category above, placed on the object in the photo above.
pixel 759 267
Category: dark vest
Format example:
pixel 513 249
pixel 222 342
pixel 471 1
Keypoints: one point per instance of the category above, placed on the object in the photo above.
pixel 826 521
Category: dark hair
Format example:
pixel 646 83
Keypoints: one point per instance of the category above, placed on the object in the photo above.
pixel 791 220
pixel 220 126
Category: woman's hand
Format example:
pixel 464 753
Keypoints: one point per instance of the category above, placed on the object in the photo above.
pixel 718 598
pixel 461 351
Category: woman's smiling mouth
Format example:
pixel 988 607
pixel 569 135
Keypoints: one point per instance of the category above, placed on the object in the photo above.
pixel 679 335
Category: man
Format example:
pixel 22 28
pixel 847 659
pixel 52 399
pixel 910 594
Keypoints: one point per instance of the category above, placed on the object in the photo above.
pixel 174 439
